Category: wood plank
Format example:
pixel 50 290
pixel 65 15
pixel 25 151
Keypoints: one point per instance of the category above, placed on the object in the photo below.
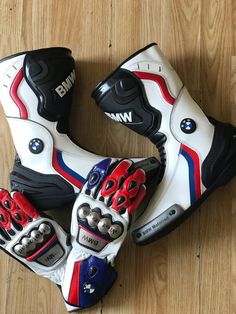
pixel 233 191
pixel 216 216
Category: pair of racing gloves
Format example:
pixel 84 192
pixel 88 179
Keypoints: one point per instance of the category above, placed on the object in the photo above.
pixel 81 262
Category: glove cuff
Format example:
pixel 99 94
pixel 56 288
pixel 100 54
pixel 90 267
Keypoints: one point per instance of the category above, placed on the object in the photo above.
pixel 87 281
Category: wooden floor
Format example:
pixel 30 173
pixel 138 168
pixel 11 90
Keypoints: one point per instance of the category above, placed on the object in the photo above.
pixel 193 270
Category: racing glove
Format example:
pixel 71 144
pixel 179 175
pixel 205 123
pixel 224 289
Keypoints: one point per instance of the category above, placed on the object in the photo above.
pixel 100 220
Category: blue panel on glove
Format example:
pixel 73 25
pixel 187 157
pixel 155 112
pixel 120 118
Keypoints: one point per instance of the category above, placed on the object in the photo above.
pixel 96 278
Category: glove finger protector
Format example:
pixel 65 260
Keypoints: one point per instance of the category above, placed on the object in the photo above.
pixel 100 220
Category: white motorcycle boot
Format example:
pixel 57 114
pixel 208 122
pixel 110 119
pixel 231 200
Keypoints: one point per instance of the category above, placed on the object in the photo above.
pixel 198 153
pixel 36 93
pixel 36 90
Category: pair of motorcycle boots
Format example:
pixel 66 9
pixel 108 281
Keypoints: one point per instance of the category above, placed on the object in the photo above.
pixel 197 153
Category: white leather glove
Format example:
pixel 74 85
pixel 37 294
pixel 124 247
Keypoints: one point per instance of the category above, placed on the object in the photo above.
pixel 100 219
pixel 37 242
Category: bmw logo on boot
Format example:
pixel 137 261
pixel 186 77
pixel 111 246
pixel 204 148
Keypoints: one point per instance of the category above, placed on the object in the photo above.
pixel 36 146
pixel 188 125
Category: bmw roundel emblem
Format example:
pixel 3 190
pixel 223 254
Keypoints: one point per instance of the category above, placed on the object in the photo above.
pixel 36 146
pixel 88 288
pixel 188 125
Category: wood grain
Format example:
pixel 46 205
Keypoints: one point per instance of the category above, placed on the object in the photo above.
pixel 193 270
pixel 215 235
